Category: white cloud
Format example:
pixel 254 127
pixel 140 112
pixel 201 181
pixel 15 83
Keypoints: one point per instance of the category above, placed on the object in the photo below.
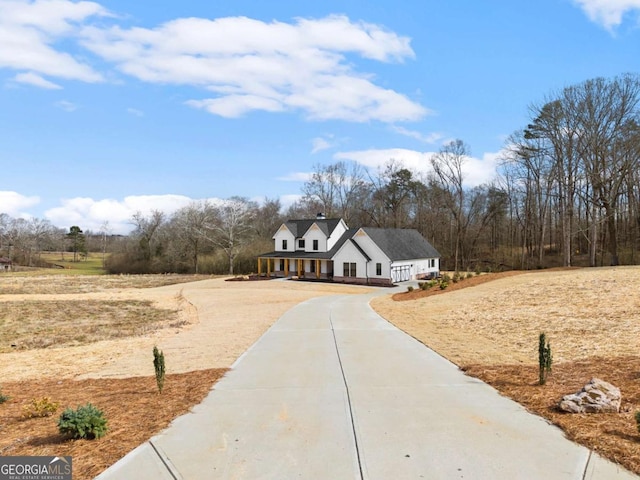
pixel 29 31
pixel 135 112
pixel 66 106
pixel 377 158
pixel 15 204
pixel 295 177
pixel 252 65
pixel 430 138
pixel 36 80
pixel 287 200
pixel 319 144
pixel 90 214
pixel 608 13
pixel 475 170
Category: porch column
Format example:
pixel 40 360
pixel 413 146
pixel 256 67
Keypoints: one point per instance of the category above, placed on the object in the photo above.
pixel 317 268
pixel 299 268
pixel 286 267
pixel 259 266
pixel 268 267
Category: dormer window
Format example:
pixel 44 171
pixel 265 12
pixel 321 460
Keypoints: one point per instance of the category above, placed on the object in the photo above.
pixel 301 244
pixel 284 244
pixel 315 245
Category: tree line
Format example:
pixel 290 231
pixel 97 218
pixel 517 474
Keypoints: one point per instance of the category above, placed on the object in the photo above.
pixel 566 193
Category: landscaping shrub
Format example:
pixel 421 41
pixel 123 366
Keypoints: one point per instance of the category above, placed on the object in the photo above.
pixel 446 278
pixel 158 365
pixel 637 416
pixel 86 421
pixel 443 285
pixel 409 288
pixel 3 398
pixel 456 277
pixel 545 358
pixel 40 407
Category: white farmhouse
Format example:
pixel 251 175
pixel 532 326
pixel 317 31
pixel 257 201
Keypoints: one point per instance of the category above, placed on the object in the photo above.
pixel 325 248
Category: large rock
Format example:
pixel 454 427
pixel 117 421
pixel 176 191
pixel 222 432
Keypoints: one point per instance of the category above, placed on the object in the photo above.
pixel 597 396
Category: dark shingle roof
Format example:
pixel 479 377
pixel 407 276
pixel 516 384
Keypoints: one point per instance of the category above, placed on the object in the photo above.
pixel 401 244
pixel 300 227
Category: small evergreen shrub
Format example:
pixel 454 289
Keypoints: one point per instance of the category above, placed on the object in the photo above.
pixel 3 397
pixel 158 365
pixel 545 358
pixel 469 275
pixel 456 277
pixel 40 407
pixel 443 285
pixel 446 278
pixel 86 421
pixel 637 416
pixel 409 288
pixel 422 285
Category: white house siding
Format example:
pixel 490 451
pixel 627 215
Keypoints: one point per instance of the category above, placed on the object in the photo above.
pixel 336 234
pixel 416 269
pixel 314 233
pixel 285 234
pixel 350 254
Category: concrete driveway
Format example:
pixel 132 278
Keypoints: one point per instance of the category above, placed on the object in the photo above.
pixel 332 391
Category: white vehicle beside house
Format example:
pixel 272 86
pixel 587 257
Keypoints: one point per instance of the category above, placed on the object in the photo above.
pixel 325 248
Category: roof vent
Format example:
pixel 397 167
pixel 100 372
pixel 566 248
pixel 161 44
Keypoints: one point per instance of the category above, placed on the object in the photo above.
pixel 320 216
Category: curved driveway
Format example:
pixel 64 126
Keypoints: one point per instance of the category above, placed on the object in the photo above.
pixel 332 391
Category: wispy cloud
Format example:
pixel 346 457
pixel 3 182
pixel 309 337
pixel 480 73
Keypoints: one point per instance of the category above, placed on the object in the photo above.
pixel 430 138
pixel 36 80
pixel 66 106
pixel 319 144
pixel 295 177
pixel 608 13
pixel 247 65
pixel 135 112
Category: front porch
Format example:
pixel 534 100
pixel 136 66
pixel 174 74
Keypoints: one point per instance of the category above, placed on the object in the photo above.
pixel 309 268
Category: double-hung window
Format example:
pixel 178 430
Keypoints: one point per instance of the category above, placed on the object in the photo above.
pixel 349 269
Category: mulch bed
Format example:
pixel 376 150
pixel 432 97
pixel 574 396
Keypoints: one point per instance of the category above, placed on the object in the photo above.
pixel 614 436
pixel 134 409
pixel 467 282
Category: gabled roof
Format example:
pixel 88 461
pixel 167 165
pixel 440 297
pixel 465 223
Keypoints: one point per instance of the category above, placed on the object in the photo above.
pixel 401 244
pixel 299 227
pixel 346 236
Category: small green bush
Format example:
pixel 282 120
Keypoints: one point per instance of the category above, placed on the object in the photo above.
pixel 85 422
pixel 443 285
pixel 409 288
pixel 456 277
pixel 637 416
pixel 421 285
pixel 3 398
pixel 469 275
pixel 40 407
pixel 446 278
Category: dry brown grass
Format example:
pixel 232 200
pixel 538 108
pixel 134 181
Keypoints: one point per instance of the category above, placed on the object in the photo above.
pixel 591 316
pixel 17 283
pixel 31 324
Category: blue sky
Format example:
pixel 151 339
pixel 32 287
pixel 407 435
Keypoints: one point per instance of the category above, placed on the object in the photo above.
pixel 114 107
